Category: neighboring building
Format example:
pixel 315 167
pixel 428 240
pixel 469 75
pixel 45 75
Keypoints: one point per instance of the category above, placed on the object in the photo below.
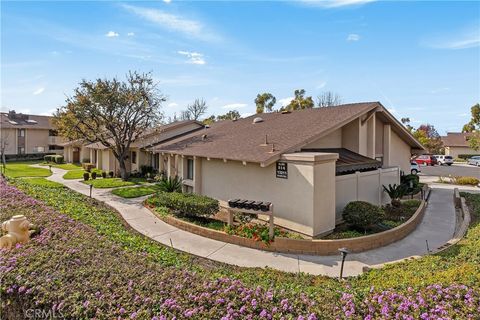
pixel 25 134
pixel 308 163
pixel 140 155
pixel 456 143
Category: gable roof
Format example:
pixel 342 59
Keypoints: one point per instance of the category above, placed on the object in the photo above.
pixel 12 120
pixel 456 139
pixel 244 140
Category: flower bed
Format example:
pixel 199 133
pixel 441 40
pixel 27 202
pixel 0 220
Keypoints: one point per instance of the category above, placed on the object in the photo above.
pixel 92 266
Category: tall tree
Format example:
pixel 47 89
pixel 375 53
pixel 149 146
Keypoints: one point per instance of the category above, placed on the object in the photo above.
pixel 185 115
pixel 473 127
pixel 230 115
pixel 300 101
pixel 328 99
pixel 111 112
pixel 209 120
pixel 428 136
pixel 265 102
pixel 406 123
pixel 197 109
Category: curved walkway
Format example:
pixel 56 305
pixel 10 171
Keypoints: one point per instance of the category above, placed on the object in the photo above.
pixel 437 227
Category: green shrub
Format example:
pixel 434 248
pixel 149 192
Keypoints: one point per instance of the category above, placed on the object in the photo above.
pixel 170 184
pixel 110 174
pixel 94 175
pixel 58 158
pixel 395 192
pixel 466 181
pixel 467 156
pixel 104 174
pixel 362 215
pixel 188 204
pixel 88 166
pixel 86 176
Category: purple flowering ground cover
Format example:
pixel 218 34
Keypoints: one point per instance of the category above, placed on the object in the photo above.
pixel 76 268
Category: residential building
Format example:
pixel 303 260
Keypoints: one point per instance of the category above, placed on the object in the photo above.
pixel 139 155
pixel 456 143
pixel 25 134
pixel 309 163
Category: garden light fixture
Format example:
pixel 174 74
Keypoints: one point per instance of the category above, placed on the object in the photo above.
pixel 91 186
pixel 343 252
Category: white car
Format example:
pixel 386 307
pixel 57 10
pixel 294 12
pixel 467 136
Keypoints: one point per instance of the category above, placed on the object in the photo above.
pixel 442 159
pixel 475 160
pixel 414 167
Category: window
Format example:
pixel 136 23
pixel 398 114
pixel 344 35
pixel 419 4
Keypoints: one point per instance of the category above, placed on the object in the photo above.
pixel 190 169
pixel 21 132
pixel 21 150
pixel 134 157
pixel 38 149
pixel 52 133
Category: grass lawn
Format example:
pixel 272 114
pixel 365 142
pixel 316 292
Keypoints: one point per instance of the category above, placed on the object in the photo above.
pixel 23 169
pixel 64 166
pixel 109 183
pixel 101 256
pixel 42 182
pixel 78 174
pixel 135 192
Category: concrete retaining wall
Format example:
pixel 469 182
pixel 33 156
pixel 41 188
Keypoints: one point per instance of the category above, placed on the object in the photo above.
pixel 316 247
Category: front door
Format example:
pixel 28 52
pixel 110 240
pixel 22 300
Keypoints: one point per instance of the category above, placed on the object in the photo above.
pixel 76 156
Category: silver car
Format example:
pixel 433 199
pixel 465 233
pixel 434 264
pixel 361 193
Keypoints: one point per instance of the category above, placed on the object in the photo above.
pixel 475 160
pixel 442 159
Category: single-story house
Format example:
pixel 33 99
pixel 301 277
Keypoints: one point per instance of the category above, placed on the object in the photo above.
pixel 74 151
pixel 140 153
pixel 456 143
pixel 308 163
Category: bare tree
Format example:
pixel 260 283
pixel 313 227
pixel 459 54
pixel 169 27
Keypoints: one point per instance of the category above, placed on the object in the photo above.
pixel 112 112
pixel 197 109
pixel 328 99
pixel 3 145
pixel 185 115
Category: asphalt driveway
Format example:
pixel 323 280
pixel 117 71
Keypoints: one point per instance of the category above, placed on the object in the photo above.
pixel 454 170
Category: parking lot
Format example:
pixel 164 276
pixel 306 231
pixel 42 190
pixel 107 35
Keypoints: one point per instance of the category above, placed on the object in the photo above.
pixel 454 170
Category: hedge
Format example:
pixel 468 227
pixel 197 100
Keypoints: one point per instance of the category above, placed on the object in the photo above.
pixel 189 204
pixel 467 156
pixel 362 214
pixel 57 158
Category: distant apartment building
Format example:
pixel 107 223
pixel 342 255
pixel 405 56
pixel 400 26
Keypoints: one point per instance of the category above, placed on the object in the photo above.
pixel 25 134
pixel 456 144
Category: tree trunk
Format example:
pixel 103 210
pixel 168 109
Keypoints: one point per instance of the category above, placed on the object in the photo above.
pixel 123 169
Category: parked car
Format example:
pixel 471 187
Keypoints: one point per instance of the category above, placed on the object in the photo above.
pixel 442 159
pixel 414 167
pixel 475 160
pixel 426 159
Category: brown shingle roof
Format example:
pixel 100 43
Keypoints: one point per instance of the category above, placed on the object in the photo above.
pixel 21 121
pixel 456 139
pixel 242 139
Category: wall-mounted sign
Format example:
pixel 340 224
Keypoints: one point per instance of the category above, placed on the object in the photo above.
pixel 282 170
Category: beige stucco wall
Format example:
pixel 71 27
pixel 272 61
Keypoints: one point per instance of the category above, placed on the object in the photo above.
pixel 350 136
pixel 10 137
pixel 36 138
pixel 378 138
pixel 455 151
pixel 400 153
pixel 332 140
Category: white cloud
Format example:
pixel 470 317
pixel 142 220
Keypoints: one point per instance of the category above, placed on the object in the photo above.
pixel 440 90
pixel 463 115
pixel 322 85
pixel 48 113
pixel 353 37
pixel 246 114
pixel 285 101
pixel 336 3
pixel 193 57
pixel 392 110
pixel 234 106
pixel 131 34
pixel 167 1
pixel 463 39
pixel 38 91
pixel 111 34
pixel 172 105
pixel 188 27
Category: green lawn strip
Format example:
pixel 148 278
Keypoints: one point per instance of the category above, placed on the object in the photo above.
pixel 108 183
pixel 24 169
pixel 42 182
pixel 78 174
pixel 64 166
pixel 135 192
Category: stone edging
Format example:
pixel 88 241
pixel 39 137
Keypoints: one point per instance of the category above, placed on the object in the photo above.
pixel 460 232
pixel 315 246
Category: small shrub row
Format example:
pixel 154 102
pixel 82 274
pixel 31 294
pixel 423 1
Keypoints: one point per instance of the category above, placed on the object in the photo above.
pixel 467 156
pixel 188 204
pixel 466 181
pixel 56 158
pixel 93 175
pixel 362 214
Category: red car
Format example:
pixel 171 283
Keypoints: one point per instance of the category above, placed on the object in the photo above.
pixel 426 159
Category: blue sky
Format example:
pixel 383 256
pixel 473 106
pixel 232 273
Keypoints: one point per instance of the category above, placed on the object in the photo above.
pixel 420 59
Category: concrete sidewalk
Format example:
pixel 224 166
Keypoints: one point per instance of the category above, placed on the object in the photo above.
pixel 437 228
